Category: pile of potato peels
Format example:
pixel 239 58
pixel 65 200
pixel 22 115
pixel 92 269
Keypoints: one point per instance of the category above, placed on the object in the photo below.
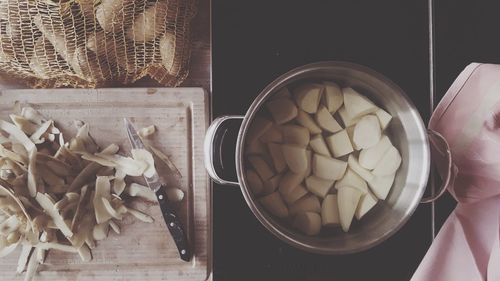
pixel 65 195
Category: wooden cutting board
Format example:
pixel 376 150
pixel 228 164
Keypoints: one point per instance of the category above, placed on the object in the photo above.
pixel 142 251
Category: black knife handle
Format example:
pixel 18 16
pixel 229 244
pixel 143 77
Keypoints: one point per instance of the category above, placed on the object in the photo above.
pixel 174 225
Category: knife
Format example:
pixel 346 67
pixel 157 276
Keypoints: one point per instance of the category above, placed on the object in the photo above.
pixel 169 215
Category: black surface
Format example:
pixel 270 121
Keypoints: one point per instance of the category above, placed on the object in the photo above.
pixel 256 41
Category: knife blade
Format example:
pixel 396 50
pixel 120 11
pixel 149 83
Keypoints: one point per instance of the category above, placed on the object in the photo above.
pixel 169 214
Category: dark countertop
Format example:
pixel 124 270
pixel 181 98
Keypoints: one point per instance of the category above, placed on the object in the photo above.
pixel 256 41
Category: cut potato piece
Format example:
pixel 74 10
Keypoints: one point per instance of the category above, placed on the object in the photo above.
pixel 346 119
pixel 318 145
pixel 275 205
pixel 366 203
pixel 261 167
pixel 367 132
pixel 351 179
pixel 347 199
pixel 282 93
pixel 289 181
pixel 330 211
pixel 383 117
pixel 350 133
pixel 326 121
pixel 298 192
pixel 389 163
pixel 147 132
pixel 318 186
pixel 293 134
pixel 309 155
pixel 356 104
pixel 308 122
pixel 308 203
pixel 333 96
pixel 259 126
pixel 362 172
pixel 340 144
pixel 369 157
pixel 256 147
pixel 273 134
pixel 328 168
pixel 381 185
pixel 255 183
pixel 271 184
pixel 295 157
pixel 282 110
pixel 277 157
pixel 307 97
pixel 174 194
pixel 309 223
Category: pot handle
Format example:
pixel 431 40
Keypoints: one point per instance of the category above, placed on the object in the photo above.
pixel 212 145
pixel 434 137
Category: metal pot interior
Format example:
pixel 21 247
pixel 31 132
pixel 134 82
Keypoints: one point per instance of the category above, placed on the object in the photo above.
pixel 407 133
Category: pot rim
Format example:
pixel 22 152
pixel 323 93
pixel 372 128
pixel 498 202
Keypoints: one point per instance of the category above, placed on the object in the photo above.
pixel 239 156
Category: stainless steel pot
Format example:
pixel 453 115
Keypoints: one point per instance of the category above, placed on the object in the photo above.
pixel 406 130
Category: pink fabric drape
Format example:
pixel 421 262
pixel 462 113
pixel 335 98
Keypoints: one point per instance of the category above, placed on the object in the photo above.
pixel 467 247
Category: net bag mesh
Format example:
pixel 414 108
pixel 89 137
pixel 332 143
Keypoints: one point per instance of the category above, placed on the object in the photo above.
pixel 93 43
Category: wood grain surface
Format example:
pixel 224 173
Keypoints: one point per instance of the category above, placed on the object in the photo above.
pixel 142 251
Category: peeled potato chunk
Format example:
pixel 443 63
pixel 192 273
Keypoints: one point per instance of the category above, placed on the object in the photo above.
pixel 273 134
pixel 340 144
pixel 348 199
pixel 356 104
pixel 295 157
pixel 275 205
pixel 308 122
pixel 318 145
pixel 367 132
pixel 352 179
pixel 282 110
pixel 261 167
pixel 383 117
pixel 381 185
pixel 346 119
pixel 326 121
pixel 307 97
pixel 308 223
pixel 366 203
pixel 370 157
pixel 271 184
pixel 389 163
pixel 309 156
pixel 289 181
pixel 277 156
pixel 298 192
pixel 308 203
pixel 330 211
pixel 259 126
pixel 254 182
pixel 293 134
pixel 333 96
pixel 256 147
pixel 350 133
pixel 362 172
pixel 328 168
pixel 318 186
pixel 282 93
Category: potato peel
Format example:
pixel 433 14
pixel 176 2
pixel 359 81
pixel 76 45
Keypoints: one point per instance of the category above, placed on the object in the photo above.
pixel 71 188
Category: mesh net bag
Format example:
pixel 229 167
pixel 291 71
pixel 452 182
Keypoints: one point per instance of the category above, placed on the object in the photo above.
pixel 93 43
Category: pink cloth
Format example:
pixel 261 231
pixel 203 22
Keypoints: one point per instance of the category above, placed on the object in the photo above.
pixel 467 247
